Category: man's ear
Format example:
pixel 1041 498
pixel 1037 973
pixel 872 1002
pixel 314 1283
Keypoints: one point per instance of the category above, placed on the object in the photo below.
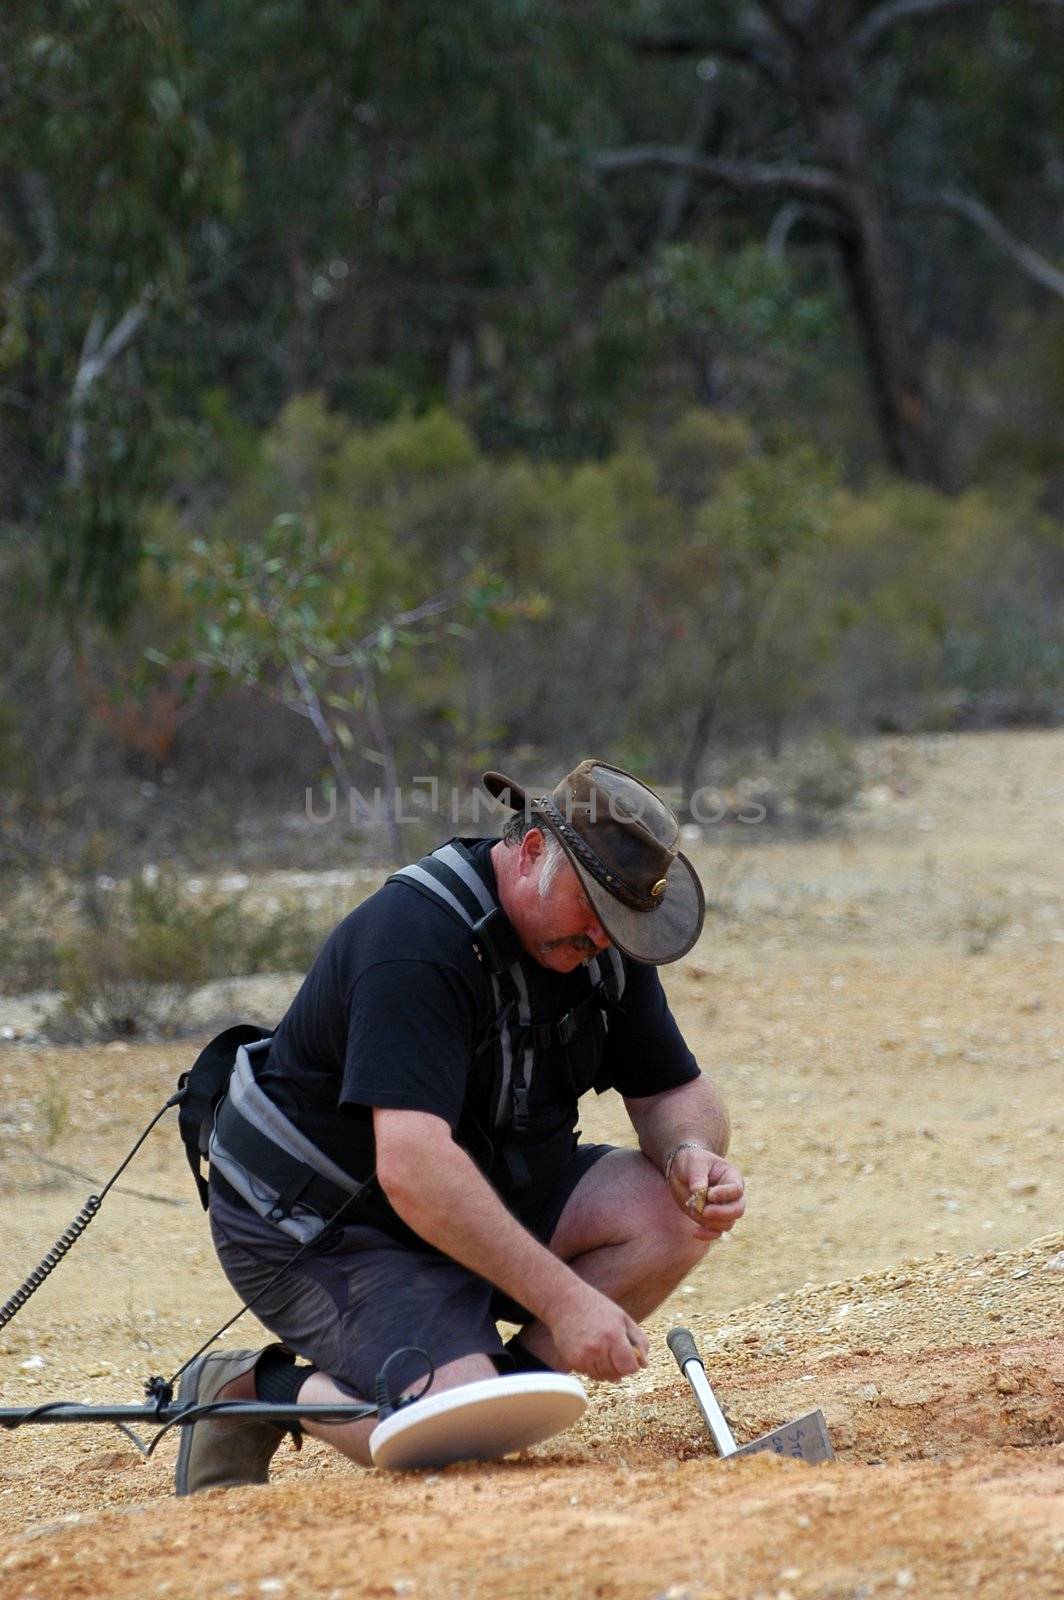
pixel 532 847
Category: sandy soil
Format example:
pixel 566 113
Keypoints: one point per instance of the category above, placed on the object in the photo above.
pixel 881 1008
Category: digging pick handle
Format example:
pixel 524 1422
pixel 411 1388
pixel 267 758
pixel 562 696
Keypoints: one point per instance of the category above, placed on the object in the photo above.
pixel 682 1344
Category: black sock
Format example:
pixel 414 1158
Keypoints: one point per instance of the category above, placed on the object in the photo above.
pixel 280 1380
pixel 523 1360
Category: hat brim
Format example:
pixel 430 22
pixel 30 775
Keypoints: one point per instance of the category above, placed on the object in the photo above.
pixel 654 937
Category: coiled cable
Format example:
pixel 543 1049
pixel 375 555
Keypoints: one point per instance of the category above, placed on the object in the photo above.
pixel 72 1234
pixel 51 1260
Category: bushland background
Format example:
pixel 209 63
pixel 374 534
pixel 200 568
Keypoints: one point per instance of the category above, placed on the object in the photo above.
pixel 385 388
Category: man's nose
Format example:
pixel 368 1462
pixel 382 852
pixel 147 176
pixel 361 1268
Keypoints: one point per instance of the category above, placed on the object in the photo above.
pixel 597 934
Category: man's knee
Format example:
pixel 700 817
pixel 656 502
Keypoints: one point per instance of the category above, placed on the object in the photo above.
pixel 623 1199
pixel 668 1230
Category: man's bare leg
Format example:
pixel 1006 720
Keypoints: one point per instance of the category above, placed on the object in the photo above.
pixel 622 1232
pixel 352 1438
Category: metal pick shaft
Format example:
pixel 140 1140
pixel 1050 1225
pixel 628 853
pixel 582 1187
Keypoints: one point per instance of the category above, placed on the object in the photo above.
pixel 681 1342
pixel 706 1400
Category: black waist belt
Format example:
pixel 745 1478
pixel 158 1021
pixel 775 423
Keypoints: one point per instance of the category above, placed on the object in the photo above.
pixel 295 1181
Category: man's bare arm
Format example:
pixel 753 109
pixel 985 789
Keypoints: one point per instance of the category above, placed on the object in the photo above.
pixel 438 1191
pixel 693 1111
pixel 686 1132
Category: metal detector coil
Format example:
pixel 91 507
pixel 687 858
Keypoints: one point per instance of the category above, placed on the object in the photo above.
pixel 478 1421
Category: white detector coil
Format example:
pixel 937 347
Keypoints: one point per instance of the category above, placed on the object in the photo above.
pixel 478 1421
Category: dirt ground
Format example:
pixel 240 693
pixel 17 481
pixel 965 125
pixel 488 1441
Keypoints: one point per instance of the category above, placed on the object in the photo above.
pixel 881 1008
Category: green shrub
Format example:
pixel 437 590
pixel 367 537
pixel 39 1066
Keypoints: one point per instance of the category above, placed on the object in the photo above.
pixel 154 941
pixel 828 777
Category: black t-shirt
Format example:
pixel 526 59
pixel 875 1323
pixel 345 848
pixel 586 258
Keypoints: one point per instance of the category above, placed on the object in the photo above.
pixel 395 1012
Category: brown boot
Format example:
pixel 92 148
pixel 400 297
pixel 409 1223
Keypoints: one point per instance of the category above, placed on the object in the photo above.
pixel 223 1452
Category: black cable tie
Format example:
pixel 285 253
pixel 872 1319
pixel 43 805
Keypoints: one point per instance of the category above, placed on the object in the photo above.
pixel 160 1391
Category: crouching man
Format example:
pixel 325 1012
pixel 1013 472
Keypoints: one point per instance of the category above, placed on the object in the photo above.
pixel 442 1040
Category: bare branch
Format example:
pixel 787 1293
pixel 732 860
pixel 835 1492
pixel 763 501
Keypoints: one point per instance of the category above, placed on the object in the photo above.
pixel 818 183
pixel 312 706
pixel 1035 266
pixel 892 13
pixel 97 354
pixel 403 619
pixel 782 223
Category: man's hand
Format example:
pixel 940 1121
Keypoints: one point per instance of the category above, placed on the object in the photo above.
pixel 594 1336
pixel 708 1189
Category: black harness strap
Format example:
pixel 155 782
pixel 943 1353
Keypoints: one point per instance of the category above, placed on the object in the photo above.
pixel 450 878
pixel 294 1179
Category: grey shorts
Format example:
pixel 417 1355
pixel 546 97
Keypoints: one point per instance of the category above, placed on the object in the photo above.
pixel 352 1305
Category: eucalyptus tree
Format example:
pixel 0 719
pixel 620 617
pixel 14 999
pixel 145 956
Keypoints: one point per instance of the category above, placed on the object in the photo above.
pixel 107 172
pixel 859 123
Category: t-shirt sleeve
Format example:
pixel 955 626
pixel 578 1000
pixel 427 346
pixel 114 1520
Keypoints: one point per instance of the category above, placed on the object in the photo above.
pixel 645 1051
pixel 410 1039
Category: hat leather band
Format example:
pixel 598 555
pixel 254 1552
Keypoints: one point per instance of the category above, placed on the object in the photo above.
pixel 587 858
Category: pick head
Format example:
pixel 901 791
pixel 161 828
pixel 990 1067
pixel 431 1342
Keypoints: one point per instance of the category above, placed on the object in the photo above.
pixel 807 1439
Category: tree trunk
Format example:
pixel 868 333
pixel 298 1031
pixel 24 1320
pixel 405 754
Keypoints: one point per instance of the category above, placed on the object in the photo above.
pixel 874 282
pixel 829 76
pixel 695 753
pixel 705 723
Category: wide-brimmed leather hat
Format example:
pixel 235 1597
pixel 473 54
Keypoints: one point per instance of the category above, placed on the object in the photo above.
pixel 622 843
